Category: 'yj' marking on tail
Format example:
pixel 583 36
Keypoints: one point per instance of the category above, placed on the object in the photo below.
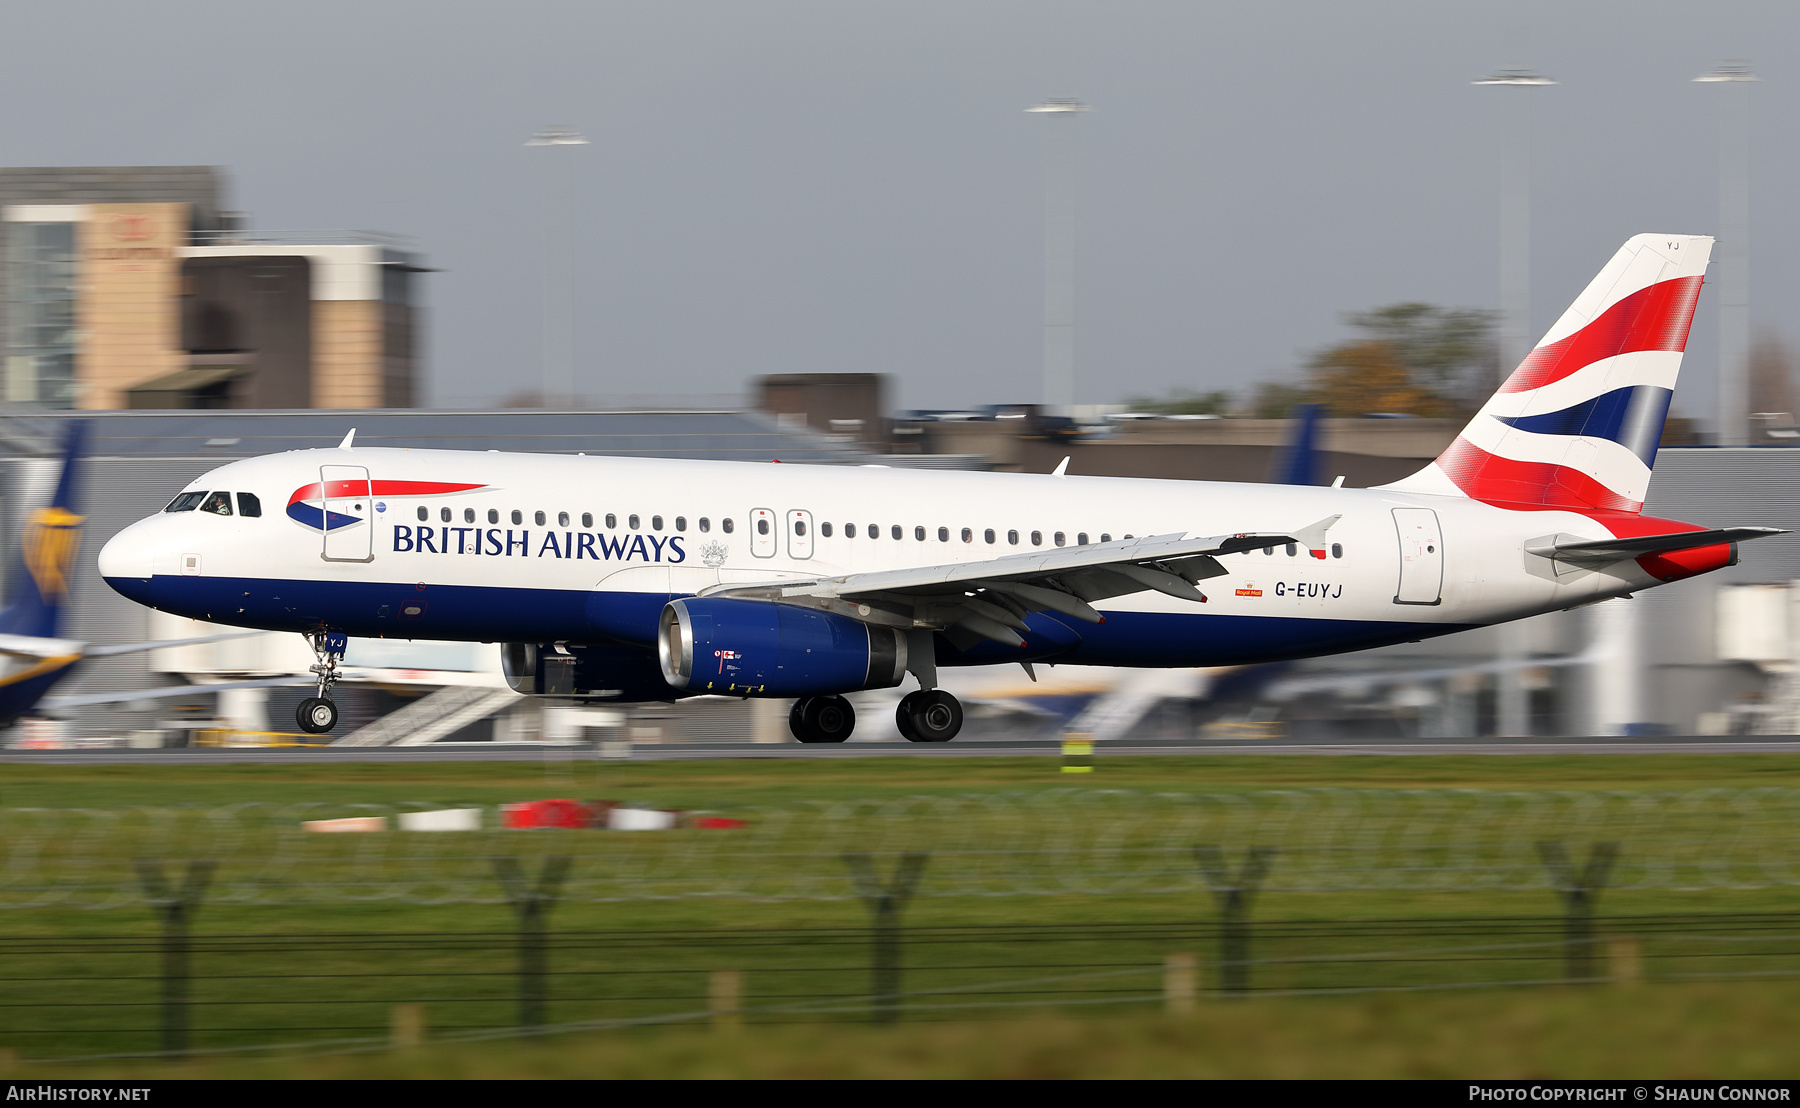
pixel 1578 422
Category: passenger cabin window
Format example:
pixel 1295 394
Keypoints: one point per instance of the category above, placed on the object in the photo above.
pixel 919 533
pixel 655 523
pixel 849 530
pixel 1104 537
pixel 762 526
pixel 988 536
pixel 1337 550
pixel 874 530
pixel 705 525
pixel 968 535
pixel 444 514
pixel 219 504
pixel 518 517
pixel 1291 551
pixel 898 534
pixel 538 518
pixel 612 522
pixel 186 502
pixel 468 515
pixel 1037 538
pixel 632 521
pixel 1060 541
pixel 800 527
pixel 248 505
pixel 424 513
pixel 943 534
pixel 493 515
pixel 728 525
pixel 1081 539
pixel 681 523
pixel 562 519
pixel 587 521
pixel 825 530
pixel 1012 537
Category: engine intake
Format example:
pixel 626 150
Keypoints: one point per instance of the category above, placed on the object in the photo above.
pixel 761 648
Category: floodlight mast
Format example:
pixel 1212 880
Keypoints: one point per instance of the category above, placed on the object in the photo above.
pixel 1515 217
pixel 1512 700
pixel 1732 255
pixel 559 279
pixel 1059 251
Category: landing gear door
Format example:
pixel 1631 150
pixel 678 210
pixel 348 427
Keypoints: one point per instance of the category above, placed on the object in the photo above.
pixel 1421 556
pixel 349 514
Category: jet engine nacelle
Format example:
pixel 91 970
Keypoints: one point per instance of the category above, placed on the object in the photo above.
pixel 761 648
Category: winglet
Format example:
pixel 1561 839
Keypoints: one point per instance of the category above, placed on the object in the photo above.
pixel 1314 537
pixel 1062 468
pixel 348 439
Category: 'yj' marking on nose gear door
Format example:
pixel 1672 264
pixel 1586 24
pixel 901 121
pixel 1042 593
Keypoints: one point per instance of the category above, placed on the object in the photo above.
pixel 1421 556
pixel 349 526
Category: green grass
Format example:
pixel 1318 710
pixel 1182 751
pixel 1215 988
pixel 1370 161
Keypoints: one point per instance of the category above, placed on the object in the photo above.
pixel 718 784
pixel 240 990
pixel 1742 1030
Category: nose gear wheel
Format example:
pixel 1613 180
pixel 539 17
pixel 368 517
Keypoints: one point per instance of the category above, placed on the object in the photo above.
pixel 318 714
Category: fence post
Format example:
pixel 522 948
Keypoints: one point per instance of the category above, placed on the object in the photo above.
pixel 533 906
pixel 1578 891
pixel 175 909
pixel 1234 893
pixel 885 903
pixel 725 999
pixel 1180 974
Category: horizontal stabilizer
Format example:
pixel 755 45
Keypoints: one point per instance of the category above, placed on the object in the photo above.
pixel 1613 550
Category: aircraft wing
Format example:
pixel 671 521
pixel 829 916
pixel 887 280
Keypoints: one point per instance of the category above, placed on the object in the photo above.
pixel 990 599
pixel 32 646
pixel 1614 550
pixel 158 644
pixel 128 696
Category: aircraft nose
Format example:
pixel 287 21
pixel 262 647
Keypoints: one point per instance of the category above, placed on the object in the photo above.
pixel 128 556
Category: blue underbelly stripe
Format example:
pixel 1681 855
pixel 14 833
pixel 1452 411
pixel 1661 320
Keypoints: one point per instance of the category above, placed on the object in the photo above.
pixel 472 613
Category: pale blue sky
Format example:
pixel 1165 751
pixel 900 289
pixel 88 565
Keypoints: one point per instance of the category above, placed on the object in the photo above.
pixel 785 186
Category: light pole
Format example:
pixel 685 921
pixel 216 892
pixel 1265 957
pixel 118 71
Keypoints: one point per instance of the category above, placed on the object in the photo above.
pixel 559 279
pixel 1059 251
pixel 1511 701
pixel 1515 217
pixel 1734 248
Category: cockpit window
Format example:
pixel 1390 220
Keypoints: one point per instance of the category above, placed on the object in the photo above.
pixel 219 504
pixel 249 505
pixel 186 502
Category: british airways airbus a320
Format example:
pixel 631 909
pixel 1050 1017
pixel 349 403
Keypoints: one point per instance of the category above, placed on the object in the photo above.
pixel 648 580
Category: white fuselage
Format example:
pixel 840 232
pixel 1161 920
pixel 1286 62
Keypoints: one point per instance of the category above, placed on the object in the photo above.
pixel 488 546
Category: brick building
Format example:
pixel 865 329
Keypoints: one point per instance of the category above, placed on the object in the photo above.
pixel 131 287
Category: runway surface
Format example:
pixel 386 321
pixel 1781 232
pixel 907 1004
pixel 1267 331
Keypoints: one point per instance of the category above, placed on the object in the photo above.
pixel 966 748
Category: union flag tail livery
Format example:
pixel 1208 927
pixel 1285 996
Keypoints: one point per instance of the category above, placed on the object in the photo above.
pixel 1577 424
pixel 643 579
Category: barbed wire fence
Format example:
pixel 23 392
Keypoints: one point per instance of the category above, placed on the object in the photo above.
pixel 1224 849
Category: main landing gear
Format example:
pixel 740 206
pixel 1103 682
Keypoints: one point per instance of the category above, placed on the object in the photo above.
pixel 822 719
pixel 929 716
pixel 318 714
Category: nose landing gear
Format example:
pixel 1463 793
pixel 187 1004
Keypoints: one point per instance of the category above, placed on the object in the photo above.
pixel 318 714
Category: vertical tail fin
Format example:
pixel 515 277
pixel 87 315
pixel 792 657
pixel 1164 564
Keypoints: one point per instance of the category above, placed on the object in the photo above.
pixel 52 538
pixel 1578 422
pixel 1298 462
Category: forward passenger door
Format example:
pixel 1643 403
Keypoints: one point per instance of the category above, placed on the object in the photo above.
pixel 344 494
